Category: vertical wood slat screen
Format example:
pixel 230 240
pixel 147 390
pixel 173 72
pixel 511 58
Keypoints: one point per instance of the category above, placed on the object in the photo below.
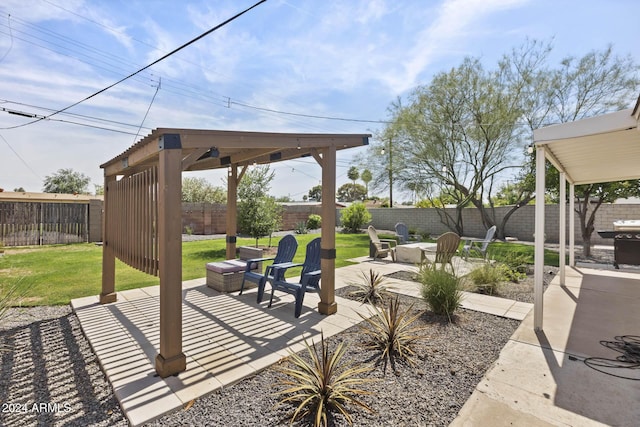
pixel 131 218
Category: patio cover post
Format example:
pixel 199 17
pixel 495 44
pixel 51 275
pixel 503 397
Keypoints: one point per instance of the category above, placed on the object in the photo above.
pixel 572 225
pixel 538 271
pixel 108 293
pixel 232 210
pixel 562 223
pixel 171 360
pixel 327 304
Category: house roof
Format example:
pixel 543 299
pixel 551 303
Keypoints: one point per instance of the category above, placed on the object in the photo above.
pixel 605 148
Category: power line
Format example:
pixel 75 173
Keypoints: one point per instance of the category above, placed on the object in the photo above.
pixel 312 116
pixel 148 109
pixel 20 157
pixel 206 33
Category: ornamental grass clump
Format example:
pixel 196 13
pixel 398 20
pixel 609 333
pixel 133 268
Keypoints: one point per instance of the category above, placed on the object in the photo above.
pixel 487 277
pixel 440 289
pixel 371 289
pixel 391 332
pixel 323 386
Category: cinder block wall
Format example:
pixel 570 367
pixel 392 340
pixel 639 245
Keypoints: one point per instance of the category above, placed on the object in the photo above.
pixel 521 225
pixel 207 218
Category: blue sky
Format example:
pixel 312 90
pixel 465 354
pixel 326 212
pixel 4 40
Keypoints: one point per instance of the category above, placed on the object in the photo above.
pixel 342 58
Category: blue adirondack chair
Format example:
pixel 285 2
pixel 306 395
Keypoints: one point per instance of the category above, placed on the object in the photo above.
pixel 287 248
pixel 309 277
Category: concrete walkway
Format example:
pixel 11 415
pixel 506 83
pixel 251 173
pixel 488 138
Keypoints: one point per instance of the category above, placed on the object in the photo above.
pixel 542 379
pixel 226 337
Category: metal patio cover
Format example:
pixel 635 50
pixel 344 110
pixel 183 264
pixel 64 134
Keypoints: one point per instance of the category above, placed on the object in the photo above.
pixel 603 148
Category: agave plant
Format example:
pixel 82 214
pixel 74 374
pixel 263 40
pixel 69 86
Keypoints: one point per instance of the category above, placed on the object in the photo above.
pixel 372 289
pixel 391 332
pixel 324 385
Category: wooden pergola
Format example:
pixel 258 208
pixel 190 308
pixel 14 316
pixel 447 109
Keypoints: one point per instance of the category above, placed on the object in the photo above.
pixel 142 209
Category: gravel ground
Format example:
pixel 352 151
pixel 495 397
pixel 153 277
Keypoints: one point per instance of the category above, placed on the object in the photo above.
pixel 49 361
pixel 49 376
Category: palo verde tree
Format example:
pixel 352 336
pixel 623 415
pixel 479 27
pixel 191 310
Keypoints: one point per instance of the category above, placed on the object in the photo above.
pixel 66 181
pixel 259 215
pixel 470 127
pixel 597 83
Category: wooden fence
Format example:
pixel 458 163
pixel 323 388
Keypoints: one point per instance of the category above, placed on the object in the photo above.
pixel 42 223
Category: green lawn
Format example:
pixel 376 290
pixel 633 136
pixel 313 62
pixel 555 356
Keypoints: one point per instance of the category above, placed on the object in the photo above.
pixel 53 275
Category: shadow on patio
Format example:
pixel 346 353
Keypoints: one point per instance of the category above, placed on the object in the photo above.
pixel 542 378
pixel 226 338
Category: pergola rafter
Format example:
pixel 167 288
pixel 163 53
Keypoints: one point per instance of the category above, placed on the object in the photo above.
pixel 143 224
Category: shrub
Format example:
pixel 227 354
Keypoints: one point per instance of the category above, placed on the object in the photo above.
pixel 314 221
pixel 324 385
pixel 354 217
pixel 371 289
pixel 517 265
pixel 440 289
pixel 487 277
pixel 301 228
pixel 390 332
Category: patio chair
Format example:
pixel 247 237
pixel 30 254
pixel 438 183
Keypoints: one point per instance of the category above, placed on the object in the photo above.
pixel 478 246
pixel 309 277
pixel 446 247
pixel 381 247
pixel 287 248
pixel 402 231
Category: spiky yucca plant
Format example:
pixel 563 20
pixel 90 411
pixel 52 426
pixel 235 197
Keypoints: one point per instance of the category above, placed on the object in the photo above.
pixel 391 332
pixel 372 289
pixel 324 385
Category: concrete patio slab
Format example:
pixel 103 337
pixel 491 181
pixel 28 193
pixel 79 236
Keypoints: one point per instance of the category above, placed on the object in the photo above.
pixel 226 337
pixel 542 378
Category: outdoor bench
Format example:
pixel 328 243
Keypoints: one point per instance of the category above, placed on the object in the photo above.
pixel 226 276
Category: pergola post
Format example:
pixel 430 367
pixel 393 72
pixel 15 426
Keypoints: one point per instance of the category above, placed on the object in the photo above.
pixel 232 210
pixel 563 225
pixel 327 304
pixel 108 293
pixel 538 270
pixel 171 360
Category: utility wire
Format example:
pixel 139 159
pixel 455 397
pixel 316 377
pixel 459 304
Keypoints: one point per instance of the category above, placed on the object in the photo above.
pixel 11 36
pixel 20 157
pixel 206 33
pixel 147 113
pixel 312 116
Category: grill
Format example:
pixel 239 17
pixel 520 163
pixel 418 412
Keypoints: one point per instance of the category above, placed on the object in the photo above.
pixel 626 242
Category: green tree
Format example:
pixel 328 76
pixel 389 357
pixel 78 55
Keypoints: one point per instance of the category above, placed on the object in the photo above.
pixel 199 190
pixel 19 190
pixel 259 215
pixel 354 217
pixel 316 193
pixel 66 181
pixel 351 192
pixel 470 127
pixel 366 177
pixel 597 83
pixel 353 174
pixel 99 189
